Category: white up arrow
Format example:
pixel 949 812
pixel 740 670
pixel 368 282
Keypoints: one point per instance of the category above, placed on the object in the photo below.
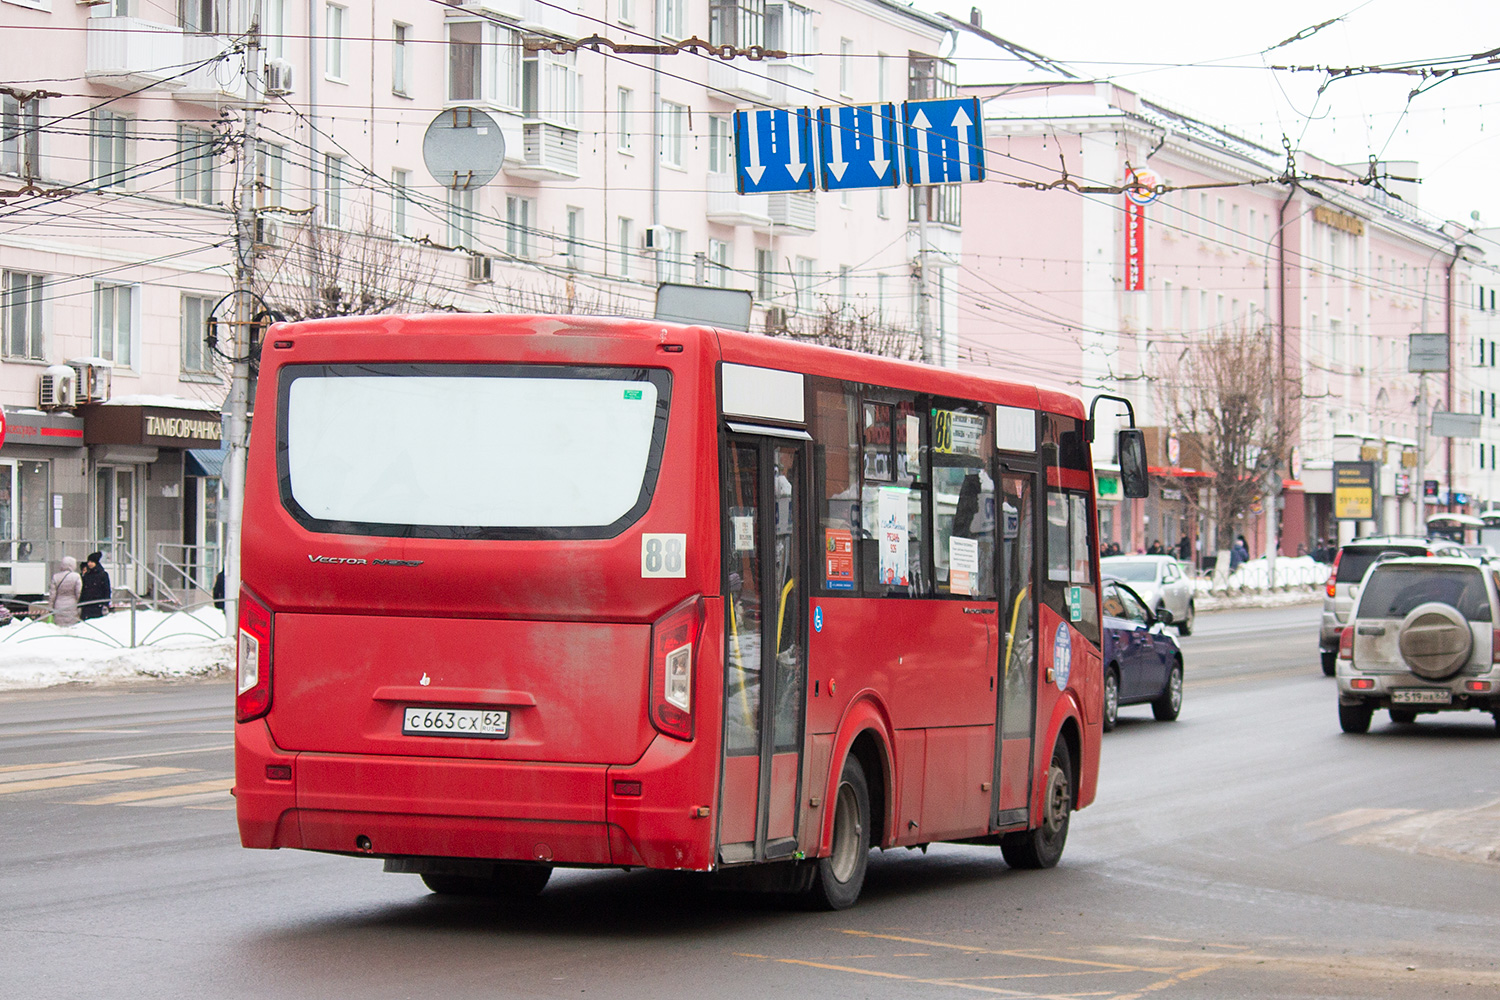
pixel 962 122
pixel 755 171
pixel 795 166
pixel 921 124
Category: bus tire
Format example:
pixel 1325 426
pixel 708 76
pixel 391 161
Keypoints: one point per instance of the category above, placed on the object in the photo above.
pixel 841 875
pixel 507 881
pixel 1043 846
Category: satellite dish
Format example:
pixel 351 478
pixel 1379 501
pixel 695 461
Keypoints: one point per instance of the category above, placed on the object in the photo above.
pixel 463 148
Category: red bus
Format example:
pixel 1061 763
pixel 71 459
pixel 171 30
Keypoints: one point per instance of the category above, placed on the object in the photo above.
pixel 525 592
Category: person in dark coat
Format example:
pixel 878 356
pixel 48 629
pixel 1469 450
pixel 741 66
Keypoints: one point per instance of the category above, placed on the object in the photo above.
pixel 219 591
pixel 1184 550
pixel 94 601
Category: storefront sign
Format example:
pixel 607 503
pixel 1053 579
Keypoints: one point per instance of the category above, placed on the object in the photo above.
pixel 154 426
pixel 1135 247
pixel 1351 224
pixel 1354 491
pixel 37 428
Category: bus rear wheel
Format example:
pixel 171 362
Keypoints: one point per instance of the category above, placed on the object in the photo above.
pixel 1043 846
pixel 841 875
pixel 506 881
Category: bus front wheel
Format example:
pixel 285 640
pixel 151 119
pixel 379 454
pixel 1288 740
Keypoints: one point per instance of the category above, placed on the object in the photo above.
pixel 841 875
pixel 1043 846
pixel 507 880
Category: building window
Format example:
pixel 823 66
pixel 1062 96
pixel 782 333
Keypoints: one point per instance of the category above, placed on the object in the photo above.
pixel 21 314
pixel 518 215
pixel 107 147
pixel 846 66
pixel 804 275
pixel 765 277
pixel 114 323
pixel 333 190
pixel 334 41
pixel 944 203
pixel 573 248
pixel 789 28
pixel 673 126
pixel 270 171
pixel 625 11
pixel 549 86
pixel 882 203
pixel 20 137
pixel 400 201
pixel 929 77
pixel 484 63
pixel 196 359
pixel 672 15
pixel 844 293
pixel 720 145
pixel 626 244
pixel 202 17
pixel 740 23
pixel 400 59
pixel 719 257
pixel 669 257
pixel 461 218
pixel 273 28
pixel 624 106
pixel 195 165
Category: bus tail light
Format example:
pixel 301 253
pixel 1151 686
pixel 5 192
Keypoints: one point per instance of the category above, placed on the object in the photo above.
pixel 674 638
pixel 1332 587
pixel 253 663
pixel 1346 643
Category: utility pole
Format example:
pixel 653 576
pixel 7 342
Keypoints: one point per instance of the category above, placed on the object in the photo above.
pixel 237 411
pixel 924 306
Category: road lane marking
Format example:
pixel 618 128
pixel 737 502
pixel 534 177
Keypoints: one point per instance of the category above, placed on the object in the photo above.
pixel 975 949
pixel 1176 980
pixel 57 771
pixel 127 774
pixel 191 790
pixel 896 975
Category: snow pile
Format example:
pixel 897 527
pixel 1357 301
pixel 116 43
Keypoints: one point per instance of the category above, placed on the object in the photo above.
pixel 167 644
pixel 1291 571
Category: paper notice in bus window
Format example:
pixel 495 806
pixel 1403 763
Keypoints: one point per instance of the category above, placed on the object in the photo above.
pixel 838 558
pixel 892 533
pixel 963 564
pixel 913 444
pixel 1080 539
pixel 742 531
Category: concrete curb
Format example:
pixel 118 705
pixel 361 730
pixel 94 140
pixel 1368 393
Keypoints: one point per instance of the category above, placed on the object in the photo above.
pixel 1257 599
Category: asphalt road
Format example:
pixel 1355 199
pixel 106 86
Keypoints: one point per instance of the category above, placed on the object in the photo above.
pixel 1249 849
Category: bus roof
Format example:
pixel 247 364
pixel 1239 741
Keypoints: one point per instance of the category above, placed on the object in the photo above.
pixel 734 346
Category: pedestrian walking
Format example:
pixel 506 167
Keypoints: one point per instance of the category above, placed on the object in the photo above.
pixel 67 586
pixel 94 600
pixel 1184 550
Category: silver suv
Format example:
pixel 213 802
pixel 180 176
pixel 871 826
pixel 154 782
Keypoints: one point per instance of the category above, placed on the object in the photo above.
pixel 1421 639
pixel 1349 568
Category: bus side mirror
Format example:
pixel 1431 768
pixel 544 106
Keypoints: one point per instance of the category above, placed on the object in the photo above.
pixel 1132 452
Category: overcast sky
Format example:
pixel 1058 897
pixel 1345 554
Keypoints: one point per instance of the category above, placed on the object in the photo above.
pixel 1453 132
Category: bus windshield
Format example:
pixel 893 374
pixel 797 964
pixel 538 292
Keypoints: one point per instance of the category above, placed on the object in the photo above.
pixel 471 449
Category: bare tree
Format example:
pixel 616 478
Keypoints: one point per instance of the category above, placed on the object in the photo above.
pixel 1232 405
pixel 854 328
pixel 358 271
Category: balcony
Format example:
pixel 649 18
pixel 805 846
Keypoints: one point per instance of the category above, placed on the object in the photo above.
pixel 548 152
pixel 790 84
pixel 794 210
pixel 727 207
pixel 741 78
pixel 218 81
pixel 129 53
pixel 530 15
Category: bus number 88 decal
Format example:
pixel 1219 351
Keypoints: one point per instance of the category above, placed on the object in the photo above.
pixel 663 555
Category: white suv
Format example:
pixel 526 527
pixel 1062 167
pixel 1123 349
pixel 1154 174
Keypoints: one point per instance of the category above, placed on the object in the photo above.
pixel 1422 638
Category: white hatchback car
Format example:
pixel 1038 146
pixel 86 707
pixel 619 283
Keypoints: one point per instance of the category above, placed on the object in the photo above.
pixel 1423 638
pixel 1160 581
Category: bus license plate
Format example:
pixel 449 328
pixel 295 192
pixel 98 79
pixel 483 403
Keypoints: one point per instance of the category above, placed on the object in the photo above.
pixel 1420 696
pixel 487 724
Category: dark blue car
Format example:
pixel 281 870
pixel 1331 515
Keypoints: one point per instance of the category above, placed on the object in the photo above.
pixel 1142 663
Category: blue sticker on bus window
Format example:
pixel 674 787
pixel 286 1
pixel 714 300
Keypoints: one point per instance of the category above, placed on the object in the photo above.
pixel 817 618
pixel 1062 655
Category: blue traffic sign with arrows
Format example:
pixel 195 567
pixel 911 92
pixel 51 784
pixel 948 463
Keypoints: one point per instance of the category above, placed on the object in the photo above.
pixel 773 150
pixel 944 141
pixel 858 146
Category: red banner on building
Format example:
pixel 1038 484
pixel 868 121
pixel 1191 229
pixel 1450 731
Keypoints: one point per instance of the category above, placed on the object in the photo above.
pixel 1135 247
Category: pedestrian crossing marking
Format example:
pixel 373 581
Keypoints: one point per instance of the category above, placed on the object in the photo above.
pixel 197 791
pixel 68 781
pixel 58 771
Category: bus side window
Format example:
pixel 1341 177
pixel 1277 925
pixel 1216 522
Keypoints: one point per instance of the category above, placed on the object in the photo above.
pixel 1070 564
pixel 893 545
pixel 836 448
pixel 963 500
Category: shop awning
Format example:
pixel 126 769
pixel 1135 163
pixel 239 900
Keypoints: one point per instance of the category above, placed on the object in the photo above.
pixel 202 462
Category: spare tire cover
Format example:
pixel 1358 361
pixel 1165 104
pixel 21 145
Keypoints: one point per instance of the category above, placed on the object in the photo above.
pixel 1435 640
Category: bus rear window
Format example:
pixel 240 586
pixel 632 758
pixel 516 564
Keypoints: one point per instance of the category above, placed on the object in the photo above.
pixel 470 450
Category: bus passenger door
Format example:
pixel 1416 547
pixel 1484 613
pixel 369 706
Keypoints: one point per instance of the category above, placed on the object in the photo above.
pixel 1018 602
pixel 765 594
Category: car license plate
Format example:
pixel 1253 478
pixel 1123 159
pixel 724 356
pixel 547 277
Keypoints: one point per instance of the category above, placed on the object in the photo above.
pixel 1421 696
pixel 490 724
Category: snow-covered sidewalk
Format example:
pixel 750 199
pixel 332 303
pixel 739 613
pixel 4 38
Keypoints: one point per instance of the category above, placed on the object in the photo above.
pixel 36 654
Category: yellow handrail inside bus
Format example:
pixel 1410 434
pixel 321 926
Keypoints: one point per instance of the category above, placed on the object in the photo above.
pixel 781 611
pixel 739 662
pixel 1010 634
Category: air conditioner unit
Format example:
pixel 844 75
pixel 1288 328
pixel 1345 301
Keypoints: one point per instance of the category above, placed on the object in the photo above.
pixel 775 319
pixel 481 268
pixel 278 77
pixel 56 389
pixel 654 238
pixel 93 381
pixel 267 231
